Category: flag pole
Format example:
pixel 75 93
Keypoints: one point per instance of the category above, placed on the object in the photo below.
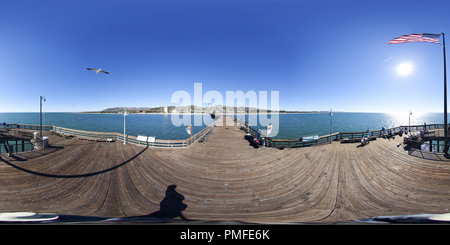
pixel 445 99
pixel 431 38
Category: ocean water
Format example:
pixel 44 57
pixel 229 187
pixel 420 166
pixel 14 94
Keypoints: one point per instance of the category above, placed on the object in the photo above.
pixel 294 126
pixel 290 126
pixel 157 125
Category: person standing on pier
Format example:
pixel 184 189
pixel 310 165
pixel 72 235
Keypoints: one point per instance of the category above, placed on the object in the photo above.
pixel 258 134
pixel 368 132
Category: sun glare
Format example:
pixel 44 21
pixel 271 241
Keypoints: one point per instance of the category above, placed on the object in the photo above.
pixel 404 69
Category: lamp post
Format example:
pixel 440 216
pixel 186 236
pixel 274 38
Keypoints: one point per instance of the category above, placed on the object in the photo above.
pixel 445 100
pixel 124 127
pixel 410 113
pixel 331 124
pixel 40 114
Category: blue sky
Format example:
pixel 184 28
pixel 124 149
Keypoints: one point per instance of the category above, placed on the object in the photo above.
pixel 319 54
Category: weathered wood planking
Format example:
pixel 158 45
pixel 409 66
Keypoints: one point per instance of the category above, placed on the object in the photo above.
pixel 226 178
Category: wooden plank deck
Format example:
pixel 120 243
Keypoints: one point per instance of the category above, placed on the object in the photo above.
pixel 226 178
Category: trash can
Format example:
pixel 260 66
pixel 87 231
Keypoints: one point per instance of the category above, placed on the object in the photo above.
pixel 36 134
pixel 45 138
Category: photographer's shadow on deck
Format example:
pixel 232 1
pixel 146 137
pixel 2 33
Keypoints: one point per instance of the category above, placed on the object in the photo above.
pixel 170 207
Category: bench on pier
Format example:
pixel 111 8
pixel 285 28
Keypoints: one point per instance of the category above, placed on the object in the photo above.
pixel 88 138
pixel 97 139
pixel 253 141
pixel 65 135
pixel 145 139
pixel 383 135
pixel 106 140
pixel 205 138
pixel 387 135
pixel 356 140
pixel 26 134
pixel 413 140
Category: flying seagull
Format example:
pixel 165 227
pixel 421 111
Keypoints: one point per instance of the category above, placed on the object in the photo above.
pixel 99 70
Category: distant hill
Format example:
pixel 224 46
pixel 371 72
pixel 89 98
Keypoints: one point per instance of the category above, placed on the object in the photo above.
pixel 127 108
pixel 191 108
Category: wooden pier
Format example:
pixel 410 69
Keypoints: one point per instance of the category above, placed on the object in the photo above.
pixel 226 178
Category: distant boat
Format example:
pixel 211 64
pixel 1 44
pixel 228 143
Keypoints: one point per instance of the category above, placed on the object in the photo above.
pixel 99 70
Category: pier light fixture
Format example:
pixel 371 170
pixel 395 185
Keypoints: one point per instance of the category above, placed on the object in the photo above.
pixel 331 124
pixel 40 120
pixel 124 127
pixel 410 113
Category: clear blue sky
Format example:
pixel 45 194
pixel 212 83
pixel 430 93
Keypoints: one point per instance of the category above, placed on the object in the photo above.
pixel 319 54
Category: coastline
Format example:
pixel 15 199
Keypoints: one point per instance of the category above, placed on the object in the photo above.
pixel 205 113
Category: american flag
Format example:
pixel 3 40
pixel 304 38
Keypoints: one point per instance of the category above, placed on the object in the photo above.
pixel 417 37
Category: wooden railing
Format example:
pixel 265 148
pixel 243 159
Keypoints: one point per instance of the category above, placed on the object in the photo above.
pixel 15 133
pixel 281 143
pixel 134 139
pixel 204 132
pixel 82 133
pixel 27 126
